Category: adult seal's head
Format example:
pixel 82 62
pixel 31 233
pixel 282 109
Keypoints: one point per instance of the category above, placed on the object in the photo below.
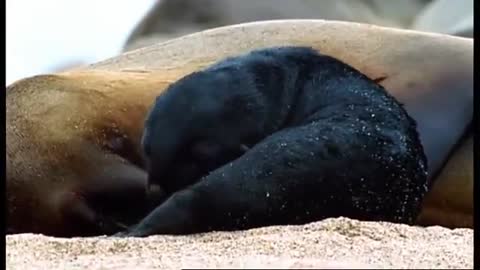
pixel 74 167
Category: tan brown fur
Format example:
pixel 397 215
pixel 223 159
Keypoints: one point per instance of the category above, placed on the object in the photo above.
pixel 58 131
pixel 58 126
pixel 450 202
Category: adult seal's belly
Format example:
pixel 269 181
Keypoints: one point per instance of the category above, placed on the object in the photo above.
pixel 73 130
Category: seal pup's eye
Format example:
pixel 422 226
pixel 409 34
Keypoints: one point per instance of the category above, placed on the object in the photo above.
pixel 205 150
pixel 147 149
pixel 145 143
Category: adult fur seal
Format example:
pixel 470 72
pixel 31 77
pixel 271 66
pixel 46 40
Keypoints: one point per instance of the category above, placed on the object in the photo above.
pixel 289 122
pixel 52 119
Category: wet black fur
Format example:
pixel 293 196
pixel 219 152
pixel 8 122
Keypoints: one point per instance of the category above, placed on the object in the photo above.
pixel 325 141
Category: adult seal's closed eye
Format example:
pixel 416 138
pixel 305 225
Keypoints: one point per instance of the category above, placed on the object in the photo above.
pixel 325 141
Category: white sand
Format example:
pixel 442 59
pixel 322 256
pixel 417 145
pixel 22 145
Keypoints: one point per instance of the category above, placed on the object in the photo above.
pixel 332 243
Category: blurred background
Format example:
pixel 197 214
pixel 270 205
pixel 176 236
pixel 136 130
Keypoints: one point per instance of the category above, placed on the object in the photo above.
pixel 53 35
